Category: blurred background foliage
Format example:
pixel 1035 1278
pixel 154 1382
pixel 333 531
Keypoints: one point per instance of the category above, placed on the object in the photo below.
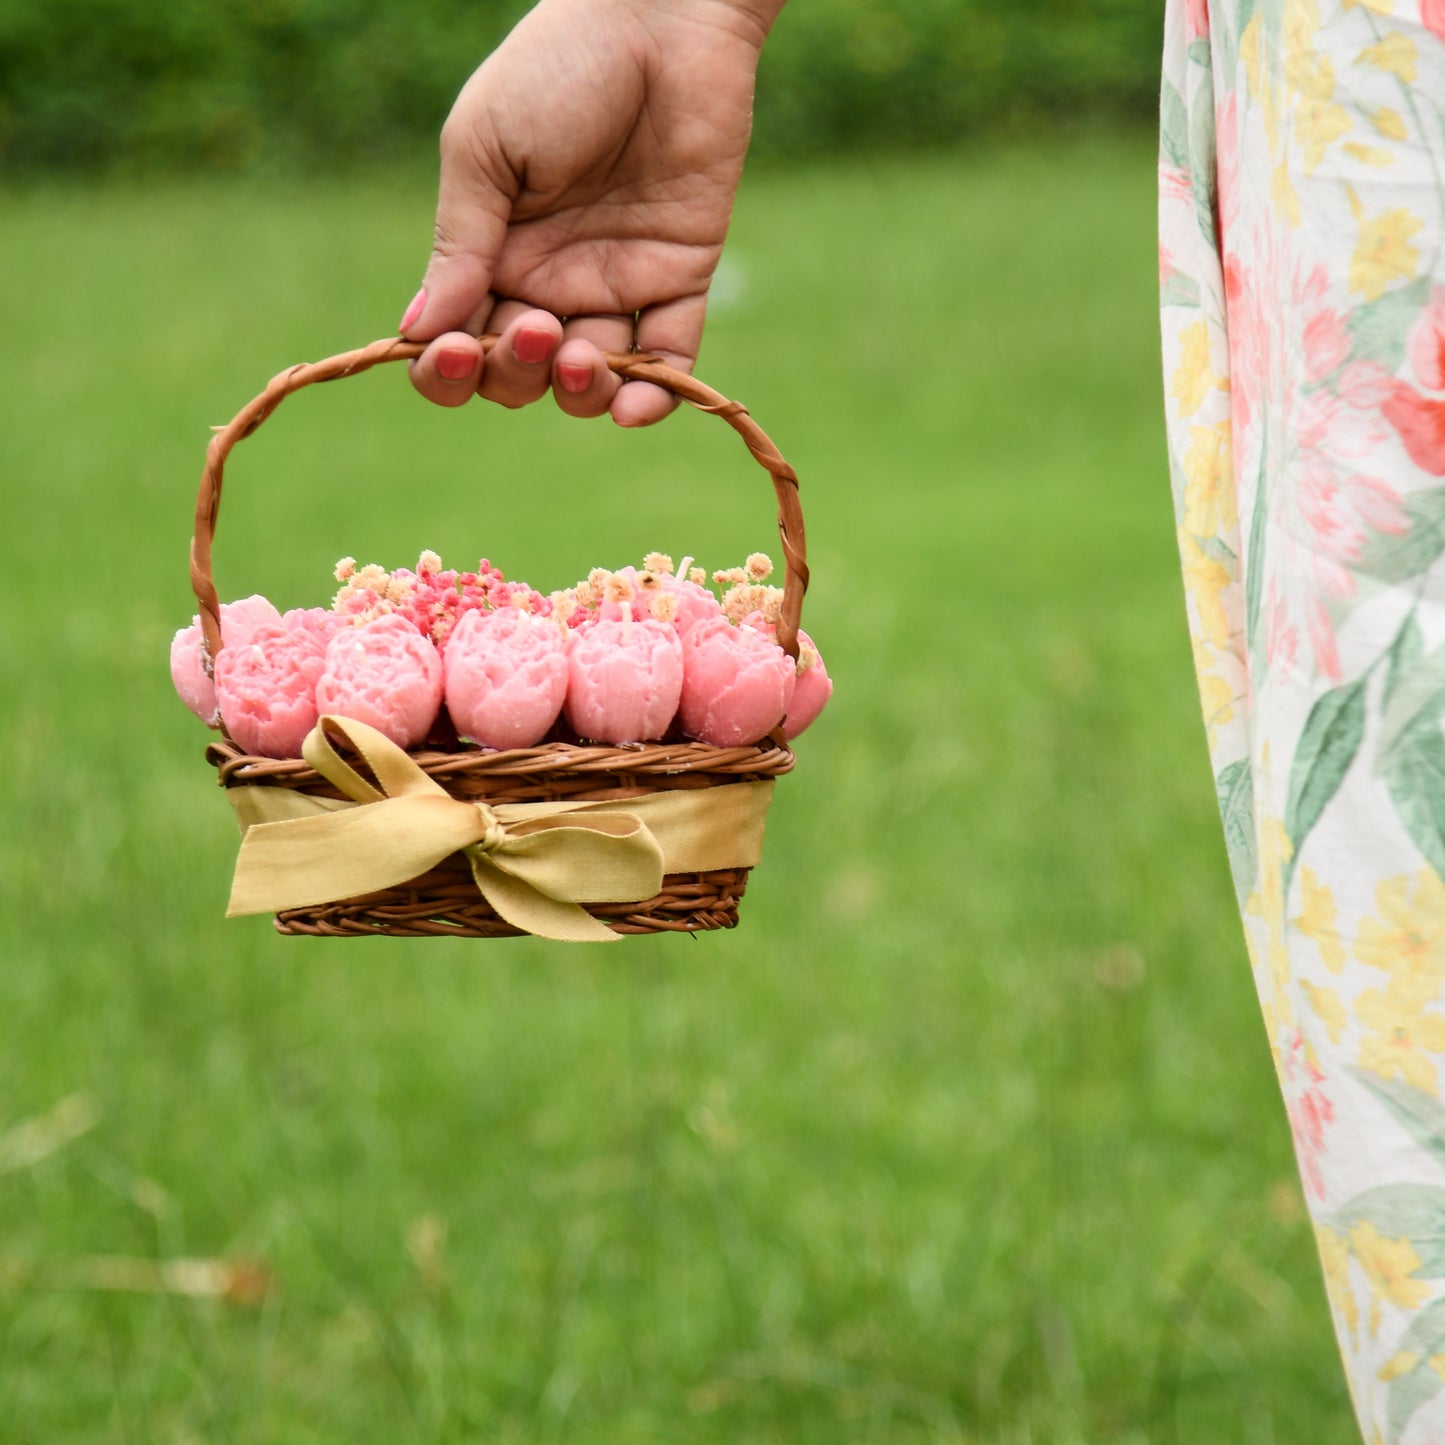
pixel 93 86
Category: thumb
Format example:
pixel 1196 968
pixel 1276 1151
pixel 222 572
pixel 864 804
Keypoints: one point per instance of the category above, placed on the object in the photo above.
pixel 472 214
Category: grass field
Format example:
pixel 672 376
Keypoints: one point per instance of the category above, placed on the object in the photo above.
pixel 968 1134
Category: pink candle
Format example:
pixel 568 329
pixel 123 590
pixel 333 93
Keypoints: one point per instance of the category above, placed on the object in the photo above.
pixel 384 673
pixel 266 689
pixel 737 684
pixel 506 677
pixel 624 680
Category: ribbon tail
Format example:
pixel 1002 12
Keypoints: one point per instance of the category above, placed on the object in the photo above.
pixel 532 911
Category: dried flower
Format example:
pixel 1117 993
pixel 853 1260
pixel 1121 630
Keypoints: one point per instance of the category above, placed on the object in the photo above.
pixel 664 607
pixel 658 562
pixel 345 568
pixel 759 566
pixel 698 576
pixel 428 562
pixel 730 575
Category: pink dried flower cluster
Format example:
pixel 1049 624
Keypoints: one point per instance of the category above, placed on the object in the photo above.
pixel 620 657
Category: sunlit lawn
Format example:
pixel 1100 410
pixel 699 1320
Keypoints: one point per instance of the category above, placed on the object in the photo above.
pixel 968 1134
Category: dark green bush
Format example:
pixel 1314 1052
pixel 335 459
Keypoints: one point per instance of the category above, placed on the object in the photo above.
pixel 95 85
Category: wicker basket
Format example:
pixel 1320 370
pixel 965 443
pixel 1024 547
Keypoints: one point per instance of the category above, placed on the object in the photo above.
pixel 445 902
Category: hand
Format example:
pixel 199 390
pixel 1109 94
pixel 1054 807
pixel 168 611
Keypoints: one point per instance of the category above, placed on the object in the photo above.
pixel 587 173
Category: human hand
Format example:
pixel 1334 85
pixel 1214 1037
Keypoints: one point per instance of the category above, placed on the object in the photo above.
pixel 587 177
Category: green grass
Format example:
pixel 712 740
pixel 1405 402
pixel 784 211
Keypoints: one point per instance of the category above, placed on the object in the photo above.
pixel 968 1134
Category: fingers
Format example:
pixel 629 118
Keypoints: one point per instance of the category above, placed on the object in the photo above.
pixel 518 369
pixel 583 384
pixel 674 331
pixel 447 371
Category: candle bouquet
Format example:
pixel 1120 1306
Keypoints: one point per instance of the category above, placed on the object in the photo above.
pixel 452 753
pixel 457 659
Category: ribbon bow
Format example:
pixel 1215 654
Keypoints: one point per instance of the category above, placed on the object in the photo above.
pixel 535 863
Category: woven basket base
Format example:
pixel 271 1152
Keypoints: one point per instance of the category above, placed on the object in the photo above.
pixel 445 903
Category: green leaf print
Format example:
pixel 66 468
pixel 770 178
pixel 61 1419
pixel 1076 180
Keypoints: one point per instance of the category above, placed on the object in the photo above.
pixel 1416 784
pixel 1243 16
pixel 1405 652
pixel 1405 1211
pixel 1236 807
pixel 1412 708
pixel 1424 1339
pixel 1396 558
pixel 1327 747
pixel 1421 1115
pixel 1201 157
pixel 1378 330
pixel 1179 290
pixel 1174 127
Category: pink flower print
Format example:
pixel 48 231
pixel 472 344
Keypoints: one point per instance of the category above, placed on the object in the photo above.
pixel 1281 632
pixel 384 673
pixel 1166 264
pixel 1227 165
pixel 1432 14
pixel 1196 14
pixel 1420 421
pixel 1248 341
pixel 1364 384
pixel 1308 1108
pixel 1426 344
pixel 1326 344
pixel 266 689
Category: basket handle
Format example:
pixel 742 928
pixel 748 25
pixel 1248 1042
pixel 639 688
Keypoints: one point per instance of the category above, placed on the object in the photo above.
pixel 639 366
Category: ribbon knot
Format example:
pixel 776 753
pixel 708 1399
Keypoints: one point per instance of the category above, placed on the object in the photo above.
pixel 535 863
pixel 494 835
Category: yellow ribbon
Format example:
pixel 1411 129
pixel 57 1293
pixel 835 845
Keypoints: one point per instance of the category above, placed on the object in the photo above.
pixel 535 863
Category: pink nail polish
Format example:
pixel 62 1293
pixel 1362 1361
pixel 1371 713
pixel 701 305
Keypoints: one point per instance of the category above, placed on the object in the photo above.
pixel 418 304
pixel 532 348
pixel 574 378
pixel 454 365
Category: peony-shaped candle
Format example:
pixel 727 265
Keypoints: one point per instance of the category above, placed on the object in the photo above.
pixel 239 621
pixel 623 680
pixel 321 622
pixel 384 673
pixel 506 677
pixel 812 692
pixel 737 684
pixel 266 689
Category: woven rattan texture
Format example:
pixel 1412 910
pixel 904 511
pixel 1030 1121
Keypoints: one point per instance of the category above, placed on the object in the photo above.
pixel 445 901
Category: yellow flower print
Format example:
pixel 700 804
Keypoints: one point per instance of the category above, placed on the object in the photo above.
pixel 1407 940
pixel 1402 1035
pixel 1317 921
pixel 1267 903
pixel 1283 195
pixel 1205 581
pixel 1396 53
pixel 1335 1261
pixel 1380 7
pixel 1210 506
pixel 1384 253
pixel 1388 1265
pixel 1397 1365
pixel 1217 698
pixel 1193 378
pixel 1367 155
pixel 1326 1005
pixel 1389 123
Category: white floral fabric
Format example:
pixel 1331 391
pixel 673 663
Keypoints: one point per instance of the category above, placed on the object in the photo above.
pixel 1302 270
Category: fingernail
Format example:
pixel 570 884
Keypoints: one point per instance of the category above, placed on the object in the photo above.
pixel 532 348
pixel 454 365
pixel 574 378
pixel 418 303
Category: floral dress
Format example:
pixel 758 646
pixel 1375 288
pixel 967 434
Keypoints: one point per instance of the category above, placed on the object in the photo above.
pixel 1302 270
